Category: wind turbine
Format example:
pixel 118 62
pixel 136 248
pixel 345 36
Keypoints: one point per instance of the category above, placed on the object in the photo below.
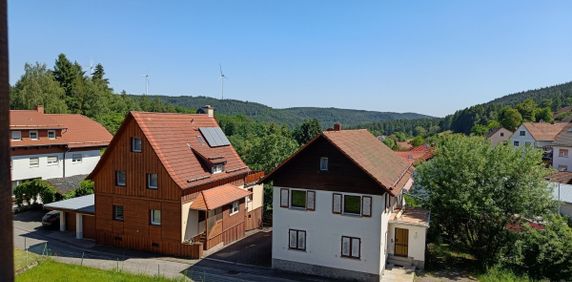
pixel 146 83
pixel 222 78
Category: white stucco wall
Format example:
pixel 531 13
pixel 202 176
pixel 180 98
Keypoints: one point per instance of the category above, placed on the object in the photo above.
pixel 558 161
pixel 21 169
pixel 257 197
pixel 324 231
pixel 416 240
pixel 523 139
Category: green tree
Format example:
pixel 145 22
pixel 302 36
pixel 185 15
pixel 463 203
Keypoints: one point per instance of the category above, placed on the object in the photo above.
pixel 390 142
pixel 37 86
pixel 309 129
pixel 475 189
pixel 417 141
pixel 269 151
pixel 527 109
pixel 510 118
pixel 545 114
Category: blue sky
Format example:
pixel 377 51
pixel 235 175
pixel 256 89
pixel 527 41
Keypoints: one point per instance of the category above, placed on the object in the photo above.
pixel 431 57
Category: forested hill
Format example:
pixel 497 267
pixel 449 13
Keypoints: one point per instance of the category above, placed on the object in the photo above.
pixel 511 110
pixel 290 116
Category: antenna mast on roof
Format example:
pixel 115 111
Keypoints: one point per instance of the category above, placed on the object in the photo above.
pixel 222 78
pixel 146 84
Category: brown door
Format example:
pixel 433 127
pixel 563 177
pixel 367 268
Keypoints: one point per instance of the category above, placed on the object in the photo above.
pixel 401 242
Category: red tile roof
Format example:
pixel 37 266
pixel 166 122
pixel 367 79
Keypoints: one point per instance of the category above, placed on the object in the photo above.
pixel 77 130
pixel 544 131
pixel 218 196
pixel 176 139
pixel 417 154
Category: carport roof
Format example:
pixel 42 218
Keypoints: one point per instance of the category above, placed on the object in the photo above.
pixel 83 204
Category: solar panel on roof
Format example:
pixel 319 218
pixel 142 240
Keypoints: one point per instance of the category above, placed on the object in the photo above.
pixel 214 136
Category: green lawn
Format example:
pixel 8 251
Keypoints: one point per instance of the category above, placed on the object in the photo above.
pixel 49 270
pixel 21 259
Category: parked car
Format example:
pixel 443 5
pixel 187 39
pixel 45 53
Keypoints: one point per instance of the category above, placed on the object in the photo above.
pixel 51 219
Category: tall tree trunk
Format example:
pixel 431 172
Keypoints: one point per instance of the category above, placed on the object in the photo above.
pixel 6 235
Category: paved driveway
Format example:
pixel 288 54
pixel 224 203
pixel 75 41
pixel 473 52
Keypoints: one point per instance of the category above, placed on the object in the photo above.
pixel 253 250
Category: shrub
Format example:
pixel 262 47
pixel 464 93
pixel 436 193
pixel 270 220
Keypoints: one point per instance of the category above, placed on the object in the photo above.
pixel 28 192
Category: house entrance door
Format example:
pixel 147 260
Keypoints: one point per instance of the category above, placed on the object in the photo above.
pixel 401 242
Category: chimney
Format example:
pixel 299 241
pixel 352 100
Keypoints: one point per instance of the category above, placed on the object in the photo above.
pixel 206 109
pixel 40 109
pixel 337 126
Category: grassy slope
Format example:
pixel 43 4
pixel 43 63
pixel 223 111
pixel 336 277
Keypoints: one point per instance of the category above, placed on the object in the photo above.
pixel 21 260
pixel 50 270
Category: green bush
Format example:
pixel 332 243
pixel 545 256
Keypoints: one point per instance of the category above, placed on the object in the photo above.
pixel 29 191
pixel 499 274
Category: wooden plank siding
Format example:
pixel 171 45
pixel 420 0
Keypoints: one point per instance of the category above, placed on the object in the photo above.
pixel 253 219
pixel 303 171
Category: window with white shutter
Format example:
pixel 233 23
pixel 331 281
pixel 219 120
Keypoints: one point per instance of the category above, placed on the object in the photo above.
pixel 311 200
pixel 366 206
pixel 337 203
pixel 346 241
pixel 284 193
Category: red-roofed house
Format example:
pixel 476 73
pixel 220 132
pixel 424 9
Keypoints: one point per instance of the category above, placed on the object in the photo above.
pixel 50 146
pixel 416 155
pixel 338 209
pixel 173 184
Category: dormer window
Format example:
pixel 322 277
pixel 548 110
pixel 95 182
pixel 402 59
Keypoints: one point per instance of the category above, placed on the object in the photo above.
pixel 33 134
pixel 217 168
pixel 51 134
pixel 323 164
pixel 136 144
pixel 17 135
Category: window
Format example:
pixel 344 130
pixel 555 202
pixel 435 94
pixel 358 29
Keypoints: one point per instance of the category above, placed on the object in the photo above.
pixel 17 135
pixel 323 164
pixel 303 199
pixel 120 178
pixel 155 217
pixel 337 203
pixel 502 134
pixel 217 168
pixel 51 134
pixel 516 143
pixel 152 181
pixel 297 240
pixel 33 134
pixel 52 160
pixel 563 153
pixel 351 247
pixel 136 144
pixel 34 162
pixel 118 213
pixel 352 204
pixel 76 158
pixel 562 168
pixel 522 133
pixel 284 199
pixel 234 207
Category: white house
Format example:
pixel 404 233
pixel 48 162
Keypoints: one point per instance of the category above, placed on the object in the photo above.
pixel 561 183
pixel 48 146
pixel 338 209
pixel 562 149
pixel 537 134
pixel 499 135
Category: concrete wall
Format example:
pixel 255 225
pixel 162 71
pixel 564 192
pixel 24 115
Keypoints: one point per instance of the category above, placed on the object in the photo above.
pixel 416 238
pixel 21 169
pixel 324 230
pixel 561 161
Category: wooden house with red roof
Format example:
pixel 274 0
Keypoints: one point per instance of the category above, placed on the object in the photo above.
pixel 53 146
pixel 339 212
pixel 173 184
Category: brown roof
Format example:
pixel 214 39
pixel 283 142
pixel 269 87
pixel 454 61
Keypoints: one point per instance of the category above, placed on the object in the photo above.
pixel 177 141
pixel 417 154
pixel 218 196
pixel 564 177
pixel 78 130
pixel 543 131
pixel 372 156
pixel 413 216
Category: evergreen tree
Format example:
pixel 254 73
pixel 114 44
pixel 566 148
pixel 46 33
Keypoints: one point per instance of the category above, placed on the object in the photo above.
pixel 37 86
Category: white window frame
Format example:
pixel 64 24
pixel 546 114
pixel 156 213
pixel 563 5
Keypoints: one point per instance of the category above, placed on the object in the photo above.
pixel 52 162
pixel 19 135
pixel 516 143
pixel 135 140
pixel 562 168
pixel 522 133
pixel 234 207
pixel 153 220
pixel 563 153
pixel 324 164
pixel 37 162
pixel 51 131
pixel 149 178
pixel 30 135
pixel 115 215
pixel 117 182
pixel 76 160
pixel 217 168
pixel 344 205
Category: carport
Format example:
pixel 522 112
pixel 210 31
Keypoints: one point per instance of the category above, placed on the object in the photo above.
pixel 83 209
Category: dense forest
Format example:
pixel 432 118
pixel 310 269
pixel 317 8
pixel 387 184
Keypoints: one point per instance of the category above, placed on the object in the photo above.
pixel 291 117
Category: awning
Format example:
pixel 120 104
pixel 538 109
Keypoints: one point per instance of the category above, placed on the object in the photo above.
pixel 83 204
pixel 218 196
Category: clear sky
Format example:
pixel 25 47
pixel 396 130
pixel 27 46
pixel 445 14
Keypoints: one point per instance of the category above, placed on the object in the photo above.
pixel 431 57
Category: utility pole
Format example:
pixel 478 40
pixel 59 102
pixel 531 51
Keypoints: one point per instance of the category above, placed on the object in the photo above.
pixel 146 84
pixel 222 78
